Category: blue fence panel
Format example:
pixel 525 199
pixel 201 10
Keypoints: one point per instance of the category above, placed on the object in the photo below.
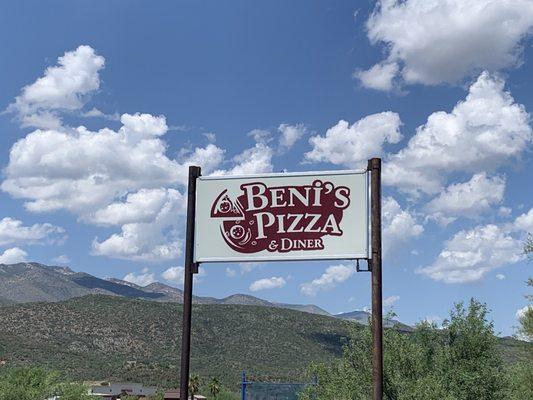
pixel 257 390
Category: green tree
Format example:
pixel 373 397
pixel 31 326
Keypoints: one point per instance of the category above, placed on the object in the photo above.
pixel 525 330
pixel 194 385
pixel 472 369
pixel 521 374
pixel 528 245
pixel 227 395
pixel 73 391
pixel 37 384
pixel 158 396
pixel 520 377
pixel 214 387
pixel 408 367
pixel 459 362
pixel 526 320
pixel 27 384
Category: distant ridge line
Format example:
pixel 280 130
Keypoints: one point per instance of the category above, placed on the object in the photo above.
pixel 34 282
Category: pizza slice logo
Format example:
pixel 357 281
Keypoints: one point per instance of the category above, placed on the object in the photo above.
pixel 224 207
pixel 281 219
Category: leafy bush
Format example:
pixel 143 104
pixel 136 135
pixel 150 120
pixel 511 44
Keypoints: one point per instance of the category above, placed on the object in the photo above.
pixel 458 362
pixel 36 384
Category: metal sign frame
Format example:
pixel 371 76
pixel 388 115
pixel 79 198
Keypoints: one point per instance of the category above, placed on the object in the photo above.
pixel 373 258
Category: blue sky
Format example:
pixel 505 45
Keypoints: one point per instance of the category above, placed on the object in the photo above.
pixel 95 144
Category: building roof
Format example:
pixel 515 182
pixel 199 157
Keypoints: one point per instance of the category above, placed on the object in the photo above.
pixel 117 388
pixel 172 394
pixel 175 394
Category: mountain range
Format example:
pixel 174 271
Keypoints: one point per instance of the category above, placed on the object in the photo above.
pixel 89 328
pixel 34 282
pixel 115 338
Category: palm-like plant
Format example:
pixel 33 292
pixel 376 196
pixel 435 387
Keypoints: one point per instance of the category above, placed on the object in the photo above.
pixel 214 387
pixel 194 385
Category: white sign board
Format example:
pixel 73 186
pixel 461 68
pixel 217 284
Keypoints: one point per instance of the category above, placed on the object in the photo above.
pixel 278 217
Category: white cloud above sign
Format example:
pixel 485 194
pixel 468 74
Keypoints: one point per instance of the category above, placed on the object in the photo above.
pixel 66 86
pixel 471 254
pixel 399 225
pixel 353 145
pixel 436 41
pixel 485 131
pixel 467 199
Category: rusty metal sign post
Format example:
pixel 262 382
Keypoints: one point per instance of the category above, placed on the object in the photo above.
pixel 374 167
pixel 190 268
pixel 254 224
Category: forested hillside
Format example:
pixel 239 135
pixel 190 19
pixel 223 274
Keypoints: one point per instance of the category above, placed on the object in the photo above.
pixel 108 337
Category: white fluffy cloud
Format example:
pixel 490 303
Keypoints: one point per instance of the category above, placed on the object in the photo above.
pixel 399 225
pixel 176 275
pixel 290 134
pixel 81 171
pixel 434 41
pixel 390 301
pixel 468 199
pixel 139 242
pixel 142 279
pixel 13 256
pixel 481 133
pixel 379 77
pixel 109 178
pixel 333 275
pixel 268 283
pixel 13 231
pixel 208 157
pixel 88 173
pixel 62 87
pixel 524 222
pixel 470 254
pixel 139 126
pixel 255 160
pixel 139 207
pixel 352 145
pixel 154 240
pixel 61 259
